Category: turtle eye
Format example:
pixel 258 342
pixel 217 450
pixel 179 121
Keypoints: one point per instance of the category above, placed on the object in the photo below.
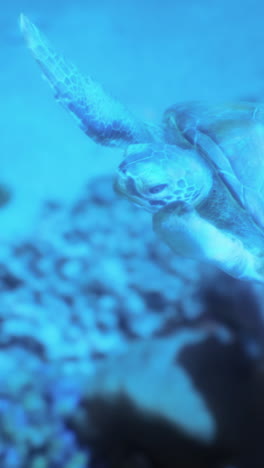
pixel 158 188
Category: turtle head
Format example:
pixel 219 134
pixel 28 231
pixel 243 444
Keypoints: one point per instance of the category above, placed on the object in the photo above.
pixel 154 175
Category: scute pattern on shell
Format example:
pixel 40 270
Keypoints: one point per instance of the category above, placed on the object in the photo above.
pixel 231 137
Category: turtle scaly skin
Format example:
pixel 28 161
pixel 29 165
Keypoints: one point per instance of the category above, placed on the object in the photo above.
pixel 201 172
pixel 100 116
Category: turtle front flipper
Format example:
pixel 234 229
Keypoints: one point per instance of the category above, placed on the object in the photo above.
pixel 100 116
pixel 191 236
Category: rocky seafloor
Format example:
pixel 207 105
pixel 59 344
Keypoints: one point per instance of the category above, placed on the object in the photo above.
pixel 91 277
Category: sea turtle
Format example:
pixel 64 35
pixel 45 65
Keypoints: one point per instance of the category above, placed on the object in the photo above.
pixel 200 172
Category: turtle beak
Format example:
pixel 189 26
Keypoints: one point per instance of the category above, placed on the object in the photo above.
pixel 126 188
pixel 119 186
pixel 125 183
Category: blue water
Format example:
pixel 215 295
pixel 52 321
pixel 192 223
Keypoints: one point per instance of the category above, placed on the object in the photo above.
pixel 148 54
pixel 81 272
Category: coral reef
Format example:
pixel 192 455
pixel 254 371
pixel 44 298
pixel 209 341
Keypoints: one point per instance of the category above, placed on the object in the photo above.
pixel 172 403
pixel 91 278
pixel 191 399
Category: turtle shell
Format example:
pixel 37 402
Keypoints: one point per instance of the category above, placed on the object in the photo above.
pixel 231 138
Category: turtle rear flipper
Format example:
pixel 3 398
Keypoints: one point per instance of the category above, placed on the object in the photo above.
pixel 100 116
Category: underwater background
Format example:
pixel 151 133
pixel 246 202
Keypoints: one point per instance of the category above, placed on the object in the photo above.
pixel 81 272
